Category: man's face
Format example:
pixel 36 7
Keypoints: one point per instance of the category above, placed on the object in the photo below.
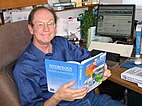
pixel 44 27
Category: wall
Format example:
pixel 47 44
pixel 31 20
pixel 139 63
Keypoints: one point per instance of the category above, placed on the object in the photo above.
pixel 138 14
pixel 111 1
pixel 69 13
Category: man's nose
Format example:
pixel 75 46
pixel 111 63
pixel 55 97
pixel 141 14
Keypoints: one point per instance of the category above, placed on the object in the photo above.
pixel 46 27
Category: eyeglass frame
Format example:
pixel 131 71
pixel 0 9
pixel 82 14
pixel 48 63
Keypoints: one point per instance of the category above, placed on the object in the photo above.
pixel 40 25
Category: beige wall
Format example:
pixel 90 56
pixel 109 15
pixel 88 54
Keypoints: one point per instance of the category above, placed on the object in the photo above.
pixel 111 1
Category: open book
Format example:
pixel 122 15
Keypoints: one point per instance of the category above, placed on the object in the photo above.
pixel 88 73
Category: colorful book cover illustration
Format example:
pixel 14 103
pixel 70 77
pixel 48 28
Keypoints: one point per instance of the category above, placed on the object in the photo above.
pixel 88 73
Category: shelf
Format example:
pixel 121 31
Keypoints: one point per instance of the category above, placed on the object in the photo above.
pixel 10 4
pixel 84 6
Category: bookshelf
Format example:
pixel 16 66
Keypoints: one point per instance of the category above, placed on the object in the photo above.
pixel 13 4
pixel 10 4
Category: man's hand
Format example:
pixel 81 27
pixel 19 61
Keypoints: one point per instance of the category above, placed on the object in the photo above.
pixel 107 73
pixel 68 94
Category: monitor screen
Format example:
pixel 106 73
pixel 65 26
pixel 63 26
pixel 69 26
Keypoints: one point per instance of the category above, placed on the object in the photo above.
pixel 116 21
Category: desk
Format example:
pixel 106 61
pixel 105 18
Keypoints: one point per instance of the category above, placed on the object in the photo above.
pixel 116 77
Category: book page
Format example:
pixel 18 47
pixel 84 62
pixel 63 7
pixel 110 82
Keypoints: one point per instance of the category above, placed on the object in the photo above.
pixel 84 61
pixel 74 62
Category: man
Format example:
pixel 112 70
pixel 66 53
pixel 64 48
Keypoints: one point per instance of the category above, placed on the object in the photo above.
pixel 29 72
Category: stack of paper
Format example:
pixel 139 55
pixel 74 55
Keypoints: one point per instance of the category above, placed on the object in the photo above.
pixel 133 75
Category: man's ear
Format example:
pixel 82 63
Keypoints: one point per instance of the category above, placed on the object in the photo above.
pixel 30 29
pixel 55 29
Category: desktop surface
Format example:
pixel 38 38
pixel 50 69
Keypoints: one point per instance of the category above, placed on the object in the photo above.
pixel 116 77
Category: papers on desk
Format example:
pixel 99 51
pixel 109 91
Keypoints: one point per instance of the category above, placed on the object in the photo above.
pixel 133 75
pixel 122 49
pixel 140 85
pixel 129 63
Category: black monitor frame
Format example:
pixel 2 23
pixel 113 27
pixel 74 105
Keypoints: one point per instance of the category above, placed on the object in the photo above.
pixel 114 8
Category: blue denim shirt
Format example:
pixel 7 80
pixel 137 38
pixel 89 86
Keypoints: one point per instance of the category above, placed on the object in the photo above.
pixel 30 74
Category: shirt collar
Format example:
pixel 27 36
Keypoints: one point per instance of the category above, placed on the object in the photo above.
pixel 34 50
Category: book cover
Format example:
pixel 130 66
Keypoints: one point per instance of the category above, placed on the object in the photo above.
pixel 133 75
pixel 88 73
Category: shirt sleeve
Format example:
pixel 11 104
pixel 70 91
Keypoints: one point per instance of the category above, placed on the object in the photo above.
pixel 79 54
pixel 29 90
pixel 70 51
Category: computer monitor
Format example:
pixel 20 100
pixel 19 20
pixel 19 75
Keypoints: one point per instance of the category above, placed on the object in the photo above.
pixel 115 21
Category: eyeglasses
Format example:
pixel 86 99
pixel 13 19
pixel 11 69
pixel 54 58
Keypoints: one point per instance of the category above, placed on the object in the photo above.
pixel 41 25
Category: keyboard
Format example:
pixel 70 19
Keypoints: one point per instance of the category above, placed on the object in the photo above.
pixel 122 49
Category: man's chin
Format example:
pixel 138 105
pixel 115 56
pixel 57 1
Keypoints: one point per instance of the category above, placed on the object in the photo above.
pixel 46 43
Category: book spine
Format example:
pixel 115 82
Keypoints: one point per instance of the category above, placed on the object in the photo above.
pixel 80 69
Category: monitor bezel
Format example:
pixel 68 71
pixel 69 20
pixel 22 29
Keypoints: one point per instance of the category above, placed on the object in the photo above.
pixel 114 35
